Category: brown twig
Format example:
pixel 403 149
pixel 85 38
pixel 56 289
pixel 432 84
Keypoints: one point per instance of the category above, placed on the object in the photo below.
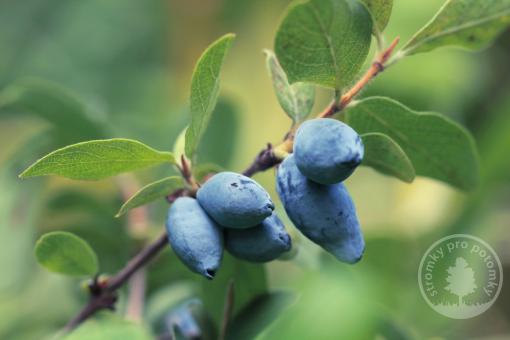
pixel 105 301
pixel 266 159
pixel 376 68
pixel 269 157
pixel 137 262
pixel 186 173
pixel 105 296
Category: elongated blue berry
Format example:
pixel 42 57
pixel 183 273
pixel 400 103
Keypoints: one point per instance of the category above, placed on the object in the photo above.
pixel 195 237
pixel 262 243
pixel 323 213
pixel 234 200
pixel 327 151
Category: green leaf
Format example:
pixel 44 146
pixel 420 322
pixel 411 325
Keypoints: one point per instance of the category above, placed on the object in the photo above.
pixel 324 41
pixel 381 12
pixel 205 85
pixel 72 121
pixel 151 192
pixel 98 159
pixel 437 146
pixel 260 313
pixel 179 145
pixel 65 253
pixel 297 99
pixel 471 24
pixel 384 155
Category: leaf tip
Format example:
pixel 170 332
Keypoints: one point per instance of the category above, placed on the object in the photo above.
pixel 25 174
pixel 226 39
pixel 409 180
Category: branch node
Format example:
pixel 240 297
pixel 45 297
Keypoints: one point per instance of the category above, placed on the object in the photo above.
pixel 379 66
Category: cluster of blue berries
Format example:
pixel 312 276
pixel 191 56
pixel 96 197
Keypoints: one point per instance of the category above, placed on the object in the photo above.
pixel 309 183
pixel 231 211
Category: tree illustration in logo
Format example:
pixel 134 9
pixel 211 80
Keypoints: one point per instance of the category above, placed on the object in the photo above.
pixel 461 279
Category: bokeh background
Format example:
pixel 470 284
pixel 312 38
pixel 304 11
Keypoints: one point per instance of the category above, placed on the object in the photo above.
pixel 67 67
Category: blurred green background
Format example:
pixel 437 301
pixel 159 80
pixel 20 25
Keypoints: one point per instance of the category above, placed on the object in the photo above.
pixel 67 67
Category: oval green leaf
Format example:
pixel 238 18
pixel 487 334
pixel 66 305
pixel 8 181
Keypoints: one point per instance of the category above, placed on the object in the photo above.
pixel 381 12
pixel 437 146
pixel 65 253
pixel 94 160
pixel 324 41
pixel 151 192
pixel 472 24
pixel 297 99
pixel 205 85
pixel 384 155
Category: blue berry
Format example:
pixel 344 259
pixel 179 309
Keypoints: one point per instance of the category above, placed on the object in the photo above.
pixel 195 237
pixel 234 200
pixel 323 213
pixel 262 243
pixel 327 151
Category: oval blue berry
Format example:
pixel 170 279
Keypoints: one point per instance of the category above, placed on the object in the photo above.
pixel 262 243
pixel 195 238
pixel 327 151
pixel 323 213
pixel 234 200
